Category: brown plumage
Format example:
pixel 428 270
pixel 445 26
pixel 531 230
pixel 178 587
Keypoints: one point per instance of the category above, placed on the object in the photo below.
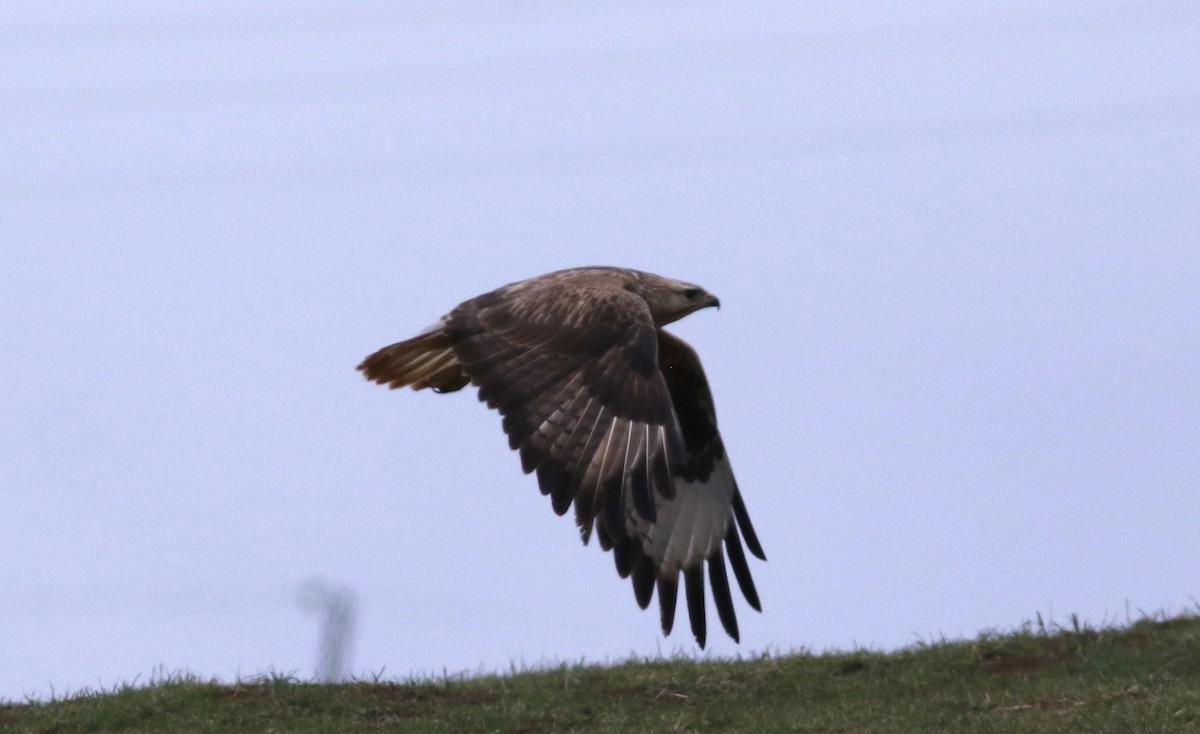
pixel 613 413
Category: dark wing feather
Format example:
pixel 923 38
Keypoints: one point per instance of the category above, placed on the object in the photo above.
pixel 668 591
pixel 741 570
pixel 743 520
pixel 693 584
pixel 721 596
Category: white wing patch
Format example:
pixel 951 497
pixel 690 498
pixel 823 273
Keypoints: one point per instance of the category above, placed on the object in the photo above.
pixel 691 527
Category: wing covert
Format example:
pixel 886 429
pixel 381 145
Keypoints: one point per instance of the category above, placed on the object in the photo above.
pixel 577 382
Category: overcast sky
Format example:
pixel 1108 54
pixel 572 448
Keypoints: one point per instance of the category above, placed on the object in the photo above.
pixel 955 365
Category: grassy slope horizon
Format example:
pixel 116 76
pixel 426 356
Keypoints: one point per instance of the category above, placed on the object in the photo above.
pixel 1144 677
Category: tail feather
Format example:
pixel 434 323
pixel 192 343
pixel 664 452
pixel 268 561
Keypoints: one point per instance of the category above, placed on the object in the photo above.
pixel 426 360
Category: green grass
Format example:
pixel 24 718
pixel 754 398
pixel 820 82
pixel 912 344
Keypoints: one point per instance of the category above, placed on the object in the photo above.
pixel 1141 678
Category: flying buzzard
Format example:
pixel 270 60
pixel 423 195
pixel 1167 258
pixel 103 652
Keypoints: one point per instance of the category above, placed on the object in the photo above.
pixel 612 412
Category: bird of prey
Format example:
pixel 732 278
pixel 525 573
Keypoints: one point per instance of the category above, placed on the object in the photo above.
pixel 612 412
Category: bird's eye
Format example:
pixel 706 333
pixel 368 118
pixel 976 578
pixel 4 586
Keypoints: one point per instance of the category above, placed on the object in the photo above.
pixel 692 293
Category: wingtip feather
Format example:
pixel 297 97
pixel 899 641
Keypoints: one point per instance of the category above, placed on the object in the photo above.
pixel 693 584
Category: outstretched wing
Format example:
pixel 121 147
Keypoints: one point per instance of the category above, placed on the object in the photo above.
pixel 705 514
pixel 573 368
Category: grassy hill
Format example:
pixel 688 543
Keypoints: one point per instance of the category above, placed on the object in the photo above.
pixel 1142 678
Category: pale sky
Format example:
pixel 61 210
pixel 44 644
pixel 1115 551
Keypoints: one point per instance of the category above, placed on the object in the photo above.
pixel 955 365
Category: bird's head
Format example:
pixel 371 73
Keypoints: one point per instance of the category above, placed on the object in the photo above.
pixel 671 300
